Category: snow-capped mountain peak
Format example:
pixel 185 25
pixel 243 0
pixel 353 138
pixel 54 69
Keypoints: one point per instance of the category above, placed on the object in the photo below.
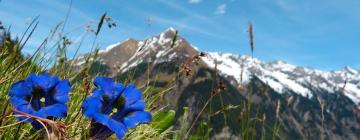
pixel 279 75
pixel 166 46
pixel 350 70
pixel 286 78
pixel 170 29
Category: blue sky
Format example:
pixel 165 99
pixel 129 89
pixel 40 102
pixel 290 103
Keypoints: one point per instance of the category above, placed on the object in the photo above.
pixel 314 33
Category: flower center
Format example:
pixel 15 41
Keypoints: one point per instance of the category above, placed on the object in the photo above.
pixel 119 102
pixel 115 105
pixel 37 98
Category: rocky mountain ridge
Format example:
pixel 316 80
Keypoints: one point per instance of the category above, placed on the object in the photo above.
pixel 279 75
pixel 312 104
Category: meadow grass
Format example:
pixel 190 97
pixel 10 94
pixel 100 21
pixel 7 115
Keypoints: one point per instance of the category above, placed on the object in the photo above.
pixel 51 56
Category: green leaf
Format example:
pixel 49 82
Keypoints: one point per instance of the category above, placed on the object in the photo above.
pixel 163 120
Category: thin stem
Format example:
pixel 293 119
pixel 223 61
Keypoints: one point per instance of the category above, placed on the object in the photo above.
pixel 198 116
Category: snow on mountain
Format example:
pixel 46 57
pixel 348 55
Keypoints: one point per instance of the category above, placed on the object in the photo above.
pixel 283 77
pixel 109 48
pixel 158 46
pixel 279 75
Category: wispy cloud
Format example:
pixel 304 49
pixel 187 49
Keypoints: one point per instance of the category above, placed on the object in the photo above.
pixel 221 9
pixel 284 5
pixel 186 11
pixel 194 1
pixel 193 16
pixel 183 25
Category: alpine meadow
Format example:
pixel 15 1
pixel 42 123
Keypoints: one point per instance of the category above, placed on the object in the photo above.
pixel 179 70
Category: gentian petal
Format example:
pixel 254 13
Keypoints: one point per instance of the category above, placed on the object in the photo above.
pixel 23 106
pixel 18 101
pixel 100 131
pixel 101 118
pixel 136 118
pixel 35 103
pixel 136 106
pixel 21 89
pixel 44 81
pixel 91 106
pixel 117 127
pixel 109 87
pixel 118 88
pixel 62 90
pixel 29 110
pixel 97 93
pixel 131 94
pixel 104 83
pixel 55 110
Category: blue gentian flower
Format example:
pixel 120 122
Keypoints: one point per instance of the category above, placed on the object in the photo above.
pixel 42 96
pixel 114 108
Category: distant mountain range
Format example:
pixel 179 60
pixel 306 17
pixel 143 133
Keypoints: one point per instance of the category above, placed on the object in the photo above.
pixel 283 77
pixel 312 104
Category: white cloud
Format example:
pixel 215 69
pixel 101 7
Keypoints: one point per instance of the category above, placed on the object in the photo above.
pixel 194 1
pixel 284 5
pixel 221 9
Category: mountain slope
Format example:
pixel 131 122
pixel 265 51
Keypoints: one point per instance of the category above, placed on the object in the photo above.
pixel 309 103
